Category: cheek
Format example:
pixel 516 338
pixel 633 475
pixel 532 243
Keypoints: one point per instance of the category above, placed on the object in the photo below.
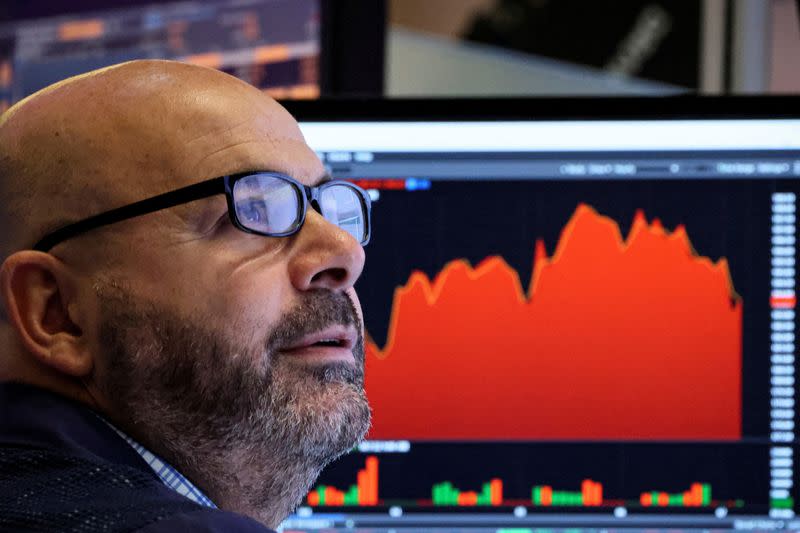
pixel 251 302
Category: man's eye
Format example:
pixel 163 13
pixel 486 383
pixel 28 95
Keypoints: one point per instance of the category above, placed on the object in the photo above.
pixel 254 211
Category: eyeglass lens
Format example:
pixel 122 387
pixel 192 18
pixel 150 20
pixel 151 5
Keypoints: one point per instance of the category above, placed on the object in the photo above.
pixel 267 204
pixel 271 205
pixel 342 205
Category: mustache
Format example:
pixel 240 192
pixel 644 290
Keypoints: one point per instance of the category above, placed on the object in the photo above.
pixel 316 310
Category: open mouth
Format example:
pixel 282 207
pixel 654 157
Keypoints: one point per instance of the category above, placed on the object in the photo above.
pixel 331 343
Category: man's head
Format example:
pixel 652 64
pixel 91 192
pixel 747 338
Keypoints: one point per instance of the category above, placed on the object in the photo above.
pixel 197 338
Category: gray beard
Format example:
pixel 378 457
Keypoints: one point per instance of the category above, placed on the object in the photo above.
pixel 250 427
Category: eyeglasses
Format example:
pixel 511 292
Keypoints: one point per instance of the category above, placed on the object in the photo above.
pixel 263 203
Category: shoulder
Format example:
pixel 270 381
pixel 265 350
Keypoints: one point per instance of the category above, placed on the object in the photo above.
pixel 206 521
pixel 46 490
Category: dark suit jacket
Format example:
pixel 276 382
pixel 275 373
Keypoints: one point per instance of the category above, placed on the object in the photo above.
pixel 64 469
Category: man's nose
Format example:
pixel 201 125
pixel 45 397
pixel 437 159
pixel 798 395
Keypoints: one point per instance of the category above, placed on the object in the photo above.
pixel 325 256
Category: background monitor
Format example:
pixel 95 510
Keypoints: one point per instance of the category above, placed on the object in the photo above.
pixel 578 313
pixel 293 49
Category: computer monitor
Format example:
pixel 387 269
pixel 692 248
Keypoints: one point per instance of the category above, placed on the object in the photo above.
pixel 578 313
pixel 293 49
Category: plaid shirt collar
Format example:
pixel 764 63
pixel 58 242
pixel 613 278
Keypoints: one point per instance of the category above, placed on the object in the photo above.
pixel 165 472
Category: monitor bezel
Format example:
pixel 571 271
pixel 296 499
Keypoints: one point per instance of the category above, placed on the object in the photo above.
pixel 536 109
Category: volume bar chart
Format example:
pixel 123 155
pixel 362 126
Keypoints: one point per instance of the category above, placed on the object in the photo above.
pixel 446 494
pixel 698 495
pixel 494 493
pixel 363 493
pixel 591 495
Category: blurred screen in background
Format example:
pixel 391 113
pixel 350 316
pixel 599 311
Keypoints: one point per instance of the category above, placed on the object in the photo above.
pixel 272 44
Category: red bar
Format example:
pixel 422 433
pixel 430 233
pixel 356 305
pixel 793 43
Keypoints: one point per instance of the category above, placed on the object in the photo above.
pixel 697 494
pixel 384 184
pixel 783 302
pixel 372 480
pixel 547 495
pixel 496 492
pixel 468 498
pixel 592 493
pixel 646 499
pixel 587 494
pixel 363 488
pixel 313 498
pixel 663 499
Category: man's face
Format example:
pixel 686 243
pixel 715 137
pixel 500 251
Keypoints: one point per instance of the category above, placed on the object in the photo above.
pixel 219 344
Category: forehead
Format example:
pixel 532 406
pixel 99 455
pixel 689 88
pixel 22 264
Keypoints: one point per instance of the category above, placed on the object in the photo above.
pixel 230 135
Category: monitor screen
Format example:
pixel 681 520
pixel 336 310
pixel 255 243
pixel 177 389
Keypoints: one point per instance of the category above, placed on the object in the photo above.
pixel 572 321
pixel 272 44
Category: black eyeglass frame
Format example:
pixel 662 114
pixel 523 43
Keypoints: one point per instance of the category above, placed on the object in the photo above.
pixel 205 189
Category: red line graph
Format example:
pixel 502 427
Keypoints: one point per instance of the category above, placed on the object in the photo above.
pixel 616 338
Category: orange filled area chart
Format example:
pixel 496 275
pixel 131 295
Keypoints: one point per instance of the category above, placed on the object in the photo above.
pixel 635 338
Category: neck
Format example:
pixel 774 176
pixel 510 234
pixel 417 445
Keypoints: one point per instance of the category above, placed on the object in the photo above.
pixel 251 477
pixel 264 487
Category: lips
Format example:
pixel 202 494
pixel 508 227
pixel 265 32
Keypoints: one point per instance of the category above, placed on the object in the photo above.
pixel 330 343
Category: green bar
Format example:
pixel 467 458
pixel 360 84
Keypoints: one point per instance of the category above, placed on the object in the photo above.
pixel 676 500
pixel 782 503
pixel 562 497
pixel 441 494
pixel 321 492
pixel 537 495
pixel 452 493
pixel 485 497
pixel 351 496
pixel 445 490
pixel 706 494
pixel 654 498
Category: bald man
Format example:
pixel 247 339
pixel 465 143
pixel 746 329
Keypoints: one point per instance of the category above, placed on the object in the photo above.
pixel 181 347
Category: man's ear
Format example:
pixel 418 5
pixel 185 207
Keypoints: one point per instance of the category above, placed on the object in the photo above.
pixel 40 297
